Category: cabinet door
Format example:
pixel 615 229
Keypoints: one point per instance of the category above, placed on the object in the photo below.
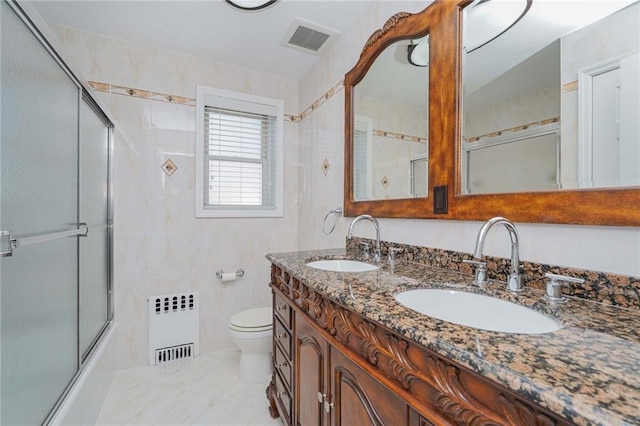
pixel 359 399
pixel 311 370
pixel 415 419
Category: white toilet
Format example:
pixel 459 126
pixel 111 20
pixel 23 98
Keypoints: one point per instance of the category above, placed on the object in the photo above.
pixel 251 331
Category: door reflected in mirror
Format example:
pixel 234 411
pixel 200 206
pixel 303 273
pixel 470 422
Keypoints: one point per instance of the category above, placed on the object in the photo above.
pixel 391 124
pixel 550 95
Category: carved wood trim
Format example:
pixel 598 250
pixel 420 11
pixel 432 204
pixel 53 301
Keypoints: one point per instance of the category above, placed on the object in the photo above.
pixel 377 34
pixel 401 366
pixel 310 341
pixel 342 325
pixel 271 392
pixel 519 412
pixel 347 378
pixel 370 345
pixel 364 341
pixel 423 374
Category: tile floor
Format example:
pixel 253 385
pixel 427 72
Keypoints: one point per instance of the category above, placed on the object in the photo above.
pixel 201 391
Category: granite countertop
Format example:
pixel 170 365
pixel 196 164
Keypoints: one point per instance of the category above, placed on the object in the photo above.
pixel 588 371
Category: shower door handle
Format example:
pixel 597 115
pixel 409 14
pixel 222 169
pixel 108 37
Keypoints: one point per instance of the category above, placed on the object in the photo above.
pixel 15 242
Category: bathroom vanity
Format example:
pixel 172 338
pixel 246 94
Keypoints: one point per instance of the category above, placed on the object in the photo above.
pixel 346 352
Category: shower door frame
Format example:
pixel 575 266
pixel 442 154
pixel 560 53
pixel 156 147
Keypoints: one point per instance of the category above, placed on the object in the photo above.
pixel 39 28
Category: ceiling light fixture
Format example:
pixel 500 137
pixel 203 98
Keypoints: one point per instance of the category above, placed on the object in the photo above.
pixel 418 52
pixel 489 19
pixel 250 4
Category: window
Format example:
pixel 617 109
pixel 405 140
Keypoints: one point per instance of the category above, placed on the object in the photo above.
pixel 362 158
pixel 239 154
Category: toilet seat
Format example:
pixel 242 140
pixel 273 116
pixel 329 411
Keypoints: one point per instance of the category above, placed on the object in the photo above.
pixel 252 320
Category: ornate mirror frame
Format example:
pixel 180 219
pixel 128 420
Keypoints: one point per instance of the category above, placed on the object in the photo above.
pixel 402 26
pixel 443 21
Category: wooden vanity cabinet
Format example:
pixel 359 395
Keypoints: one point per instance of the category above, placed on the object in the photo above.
pixel 332 390
pixel 334 367
pixel 280 390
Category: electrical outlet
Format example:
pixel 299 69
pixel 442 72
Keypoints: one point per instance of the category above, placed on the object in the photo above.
pixel 440 200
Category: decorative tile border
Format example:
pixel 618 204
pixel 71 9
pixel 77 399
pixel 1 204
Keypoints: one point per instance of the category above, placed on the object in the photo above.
pixel 570 87
pixel 607 288
pixel 165 97
pixel 399 136
pixel 325 166
pixel 322 99
pixel 139 93
pixel 515 129
pixel 169 167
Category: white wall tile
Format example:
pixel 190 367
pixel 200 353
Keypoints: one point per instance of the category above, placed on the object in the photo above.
pixel 160 247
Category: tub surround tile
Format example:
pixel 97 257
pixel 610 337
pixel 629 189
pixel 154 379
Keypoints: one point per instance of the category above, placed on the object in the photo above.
pixel 588 371
pixel 161 247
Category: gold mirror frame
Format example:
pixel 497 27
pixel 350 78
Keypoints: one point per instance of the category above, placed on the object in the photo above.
pixel 443 20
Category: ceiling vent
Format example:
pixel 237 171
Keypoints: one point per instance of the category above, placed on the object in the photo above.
pixel 308 37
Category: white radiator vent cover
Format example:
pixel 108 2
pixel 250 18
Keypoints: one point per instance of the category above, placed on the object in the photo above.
pixel 173 327
pixel 308 37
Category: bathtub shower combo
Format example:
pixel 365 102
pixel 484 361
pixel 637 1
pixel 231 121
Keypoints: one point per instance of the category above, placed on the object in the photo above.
pixel 55 223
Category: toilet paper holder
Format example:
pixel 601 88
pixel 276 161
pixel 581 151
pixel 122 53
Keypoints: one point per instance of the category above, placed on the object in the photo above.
pixel 220 273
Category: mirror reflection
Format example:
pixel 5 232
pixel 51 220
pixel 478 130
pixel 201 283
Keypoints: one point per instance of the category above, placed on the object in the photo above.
pixel 391 124
pixel 551 95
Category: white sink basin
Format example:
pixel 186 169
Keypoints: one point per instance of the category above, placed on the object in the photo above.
pixel 341 265
pixel 477 311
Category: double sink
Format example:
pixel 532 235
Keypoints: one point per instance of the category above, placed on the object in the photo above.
pixel 459 307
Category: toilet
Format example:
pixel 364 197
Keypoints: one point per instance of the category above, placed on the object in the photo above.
pixel 251 331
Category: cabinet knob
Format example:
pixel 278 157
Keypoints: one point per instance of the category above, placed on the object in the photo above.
pixel 321 397
pixel 327 406
pixel 281 308
pixel 281 364
pixel 280 336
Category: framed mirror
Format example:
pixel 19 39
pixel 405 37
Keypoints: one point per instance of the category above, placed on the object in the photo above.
pixel 550 99
pixel 541 109
pixel 388 129
pixel 391 124
pixel 525 155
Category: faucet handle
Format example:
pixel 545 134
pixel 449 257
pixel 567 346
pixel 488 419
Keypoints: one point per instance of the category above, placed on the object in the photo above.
pixel 480 275
pixel 554 286
pixel 392 253
pixel 365 249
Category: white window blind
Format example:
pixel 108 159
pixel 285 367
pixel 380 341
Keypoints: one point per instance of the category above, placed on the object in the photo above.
pixel 362 158
pixel 239 155
pixel 360 178
pixel 239 160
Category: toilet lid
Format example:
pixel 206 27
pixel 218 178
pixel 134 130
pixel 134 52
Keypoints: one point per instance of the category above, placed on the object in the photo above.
pixel 257 319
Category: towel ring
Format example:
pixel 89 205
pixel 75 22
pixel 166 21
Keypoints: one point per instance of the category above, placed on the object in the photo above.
pixel 337 213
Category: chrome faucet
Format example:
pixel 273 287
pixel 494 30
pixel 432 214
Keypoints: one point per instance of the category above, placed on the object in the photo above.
pixel 373 220
pixel 513 282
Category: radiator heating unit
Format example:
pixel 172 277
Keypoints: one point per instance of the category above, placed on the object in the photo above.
pixel 173 327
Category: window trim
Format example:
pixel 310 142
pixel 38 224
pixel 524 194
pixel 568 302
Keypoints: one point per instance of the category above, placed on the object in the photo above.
pixel 249 103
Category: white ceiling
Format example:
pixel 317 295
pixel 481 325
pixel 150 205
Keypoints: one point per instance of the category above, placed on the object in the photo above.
pixel 210 28
pixel 545 22
pixel 215 30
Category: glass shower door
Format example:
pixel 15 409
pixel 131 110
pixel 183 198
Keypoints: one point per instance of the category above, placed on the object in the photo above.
pixel 38 197
pixel 94 211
